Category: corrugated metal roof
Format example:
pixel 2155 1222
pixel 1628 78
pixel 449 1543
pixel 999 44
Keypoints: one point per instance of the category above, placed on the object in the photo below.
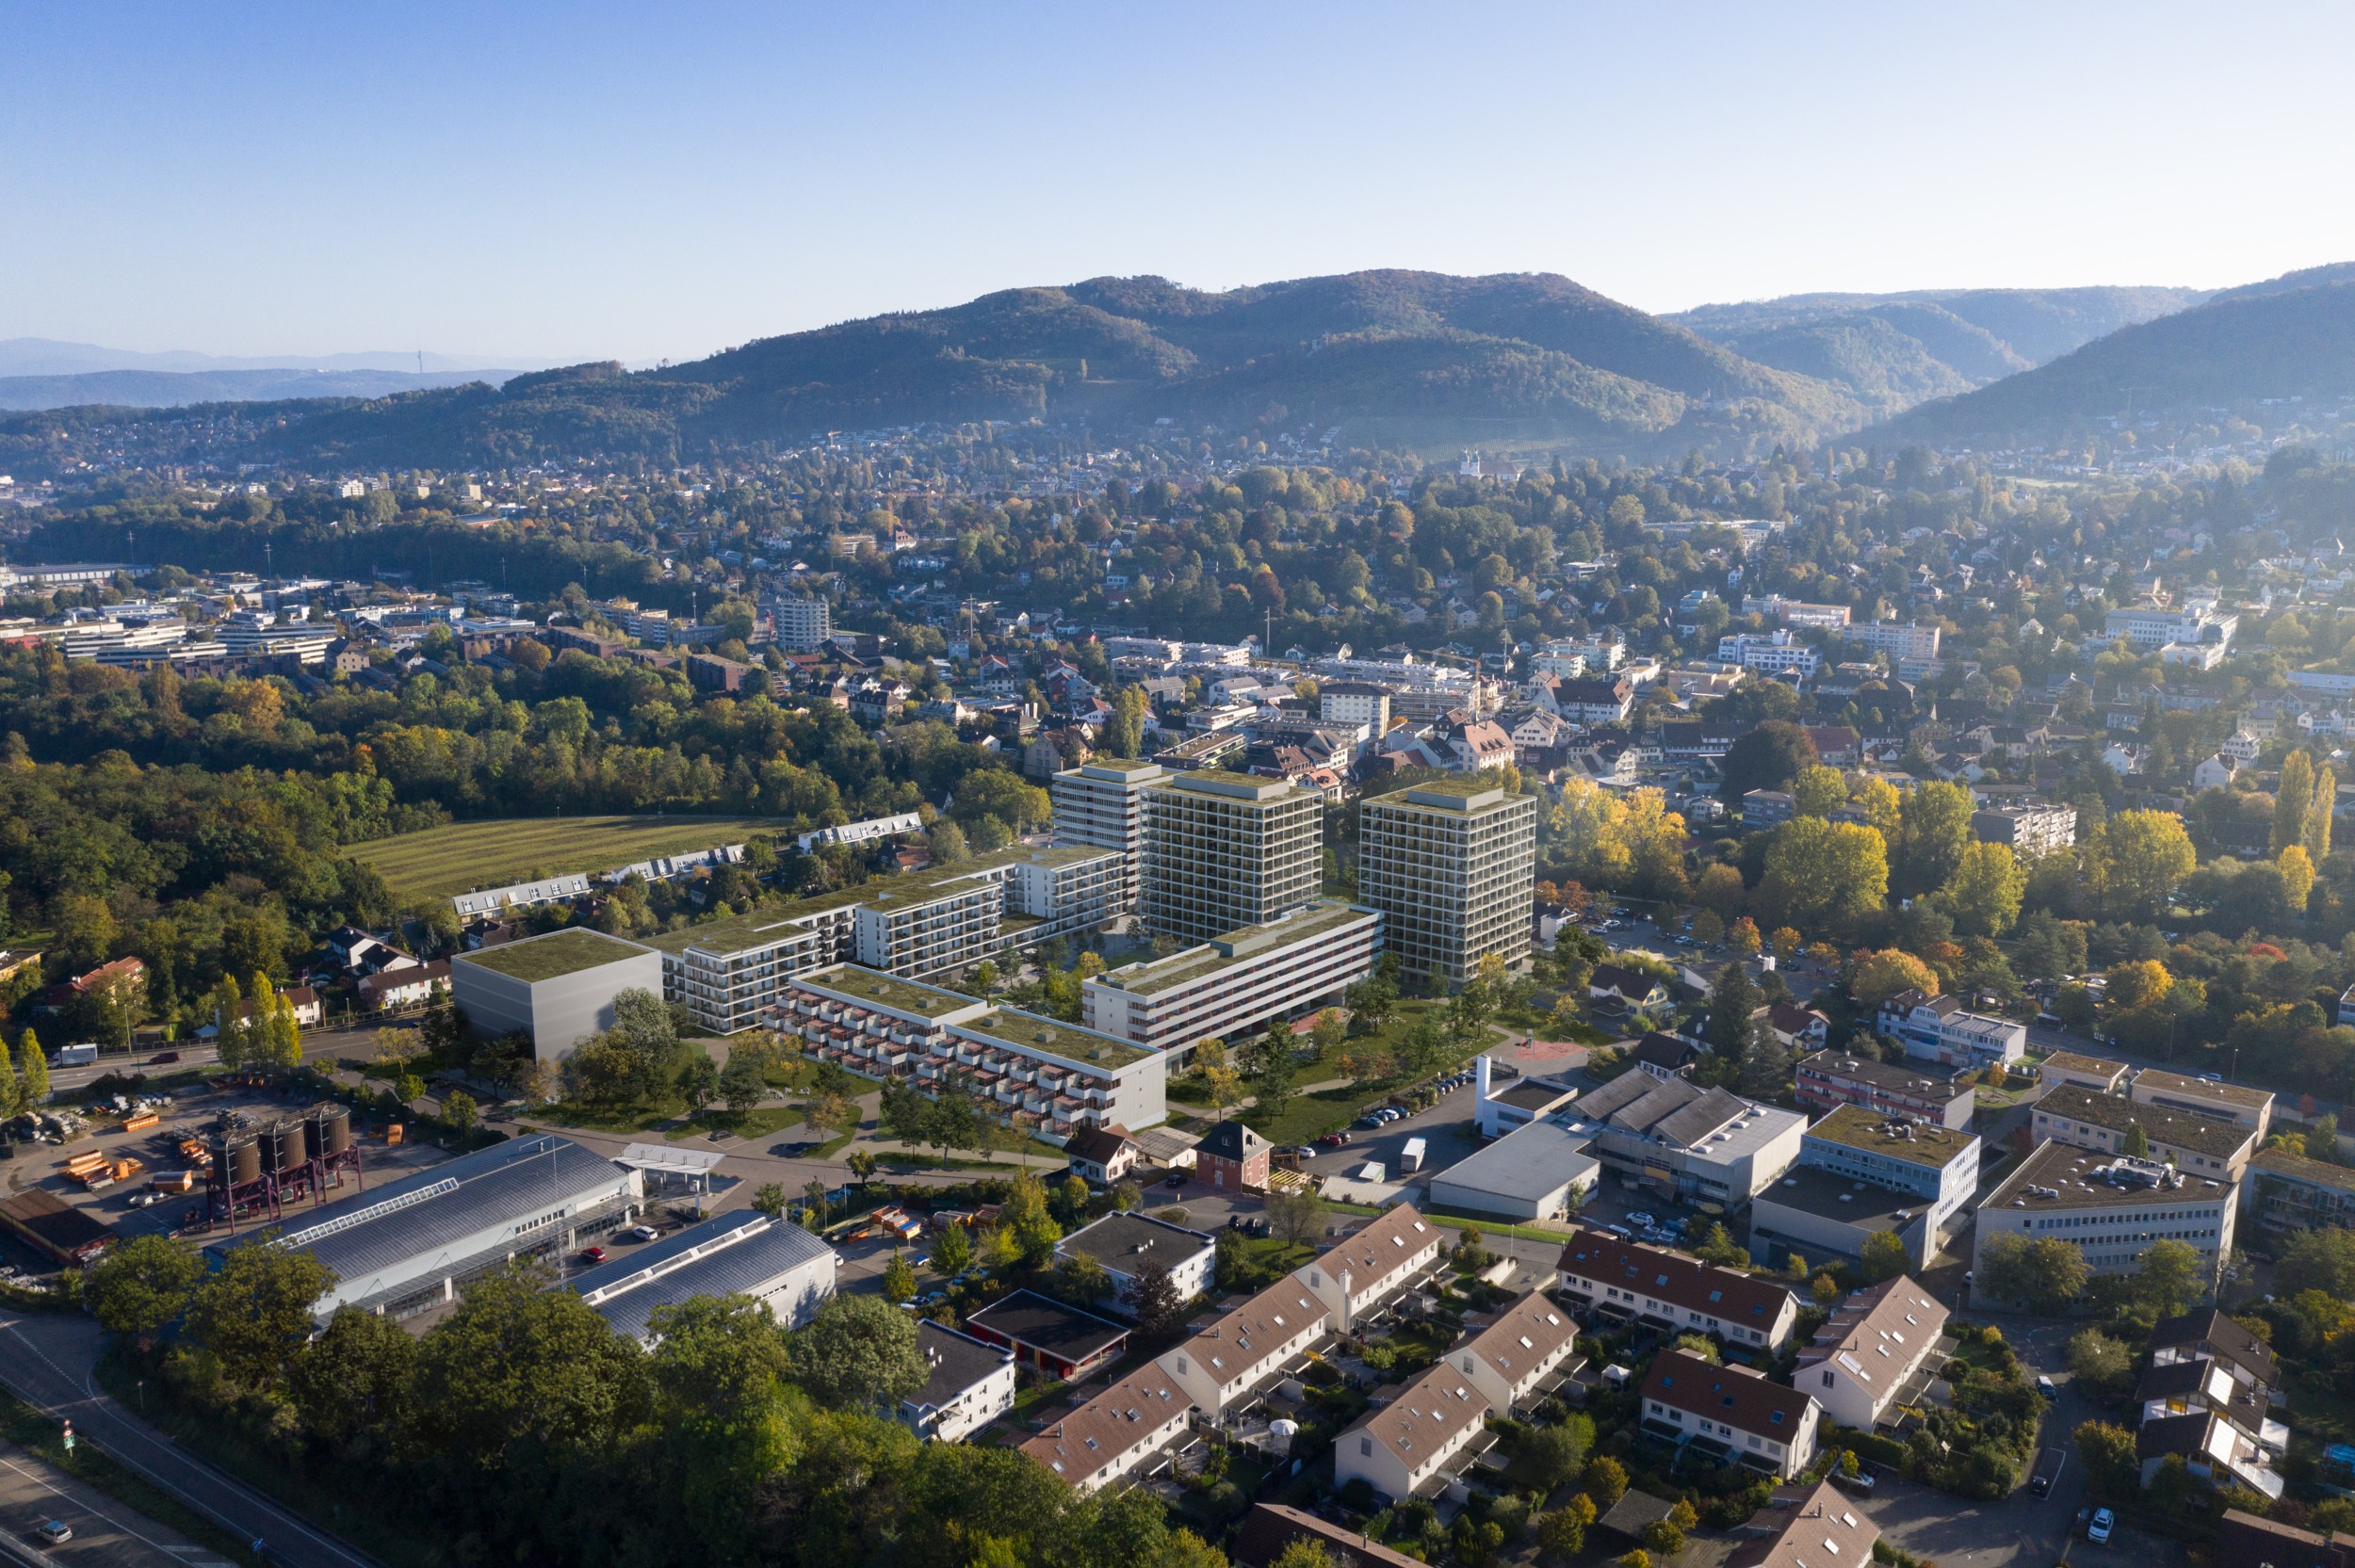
pixel 740 1252
pixel 447 1204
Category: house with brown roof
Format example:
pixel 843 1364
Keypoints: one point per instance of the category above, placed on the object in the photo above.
pixel 1240 1351
pixel 1879 1350
pixel 1102 1154
pixel 1613 989
pixel 1270 1529
pixel 1730 1412
pixel 1117 1434
pixel 1517 1356
pixel 1819 1529
pixel 2250 1541
pixel 1370 1264
pixel 1630 1280
pixel 1400 1448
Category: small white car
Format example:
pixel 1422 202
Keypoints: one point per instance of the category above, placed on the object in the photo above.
pixel 2104 1521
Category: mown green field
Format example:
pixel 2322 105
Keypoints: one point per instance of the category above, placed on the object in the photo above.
pixel 461 857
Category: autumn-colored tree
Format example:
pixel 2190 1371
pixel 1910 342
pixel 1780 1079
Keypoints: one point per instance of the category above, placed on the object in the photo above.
pixel 1819 791
pixel 2297 875
pixel 1984 896
pixel 2138 983
pixel 1742 936
pixel 1874 977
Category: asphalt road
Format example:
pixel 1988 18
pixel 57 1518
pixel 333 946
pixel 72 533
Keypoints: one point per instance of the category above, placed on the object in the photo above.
pixel 104 1530
pixel 47 1360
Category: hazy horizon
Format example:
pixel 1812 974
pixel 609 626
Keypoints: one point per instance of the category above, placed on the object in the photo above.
pixel 541 186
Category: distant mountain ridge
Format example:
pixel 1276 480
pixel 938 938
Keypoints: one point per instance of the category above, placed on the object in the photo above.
pixel 1890 351
pixel 2245 352
pixel 1412 357
pixel 47 356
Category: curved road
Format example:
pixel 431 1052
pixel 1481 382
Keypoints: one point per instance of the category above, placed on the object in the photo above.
pixel 47 1359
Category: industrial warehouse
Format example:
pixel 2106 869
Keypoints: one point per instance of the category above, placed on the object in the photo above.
pixel 746 1252
pixel 406 1246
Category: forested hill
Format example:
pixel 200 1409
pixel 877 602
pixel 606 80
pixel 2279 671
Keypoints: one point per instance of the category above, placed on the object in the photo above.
pixel 2250 353
pixel 1389 356
pixel 1890 351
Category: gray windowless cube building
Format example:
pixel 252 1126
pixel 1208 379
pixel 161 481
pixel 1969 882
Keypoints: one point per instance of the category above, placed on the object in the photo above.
pixel 557 988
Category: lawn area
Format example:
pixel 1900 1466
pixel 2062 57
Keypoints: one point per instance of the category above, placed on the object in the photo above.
pixel 759 1123
pixel 459 857
pixel 614 1119
pixel 1308 1116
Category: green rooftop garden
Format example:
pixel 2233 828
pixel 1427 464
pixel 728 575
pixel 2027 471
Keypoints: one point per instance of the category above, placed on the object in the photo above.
pixel 545 958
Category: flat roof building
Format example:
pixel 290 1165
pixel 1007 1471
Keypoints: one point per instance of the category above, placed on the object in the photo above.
pixel 2196 1146
pixel 1938 1165
pixel 1226 850
pixel 1229 986
pixel 1061 1341
pixel 1533 1173
pixel 2290 1192
pixel 1101 805
pixel 783 1267
pixel 404 1246
pixel 2098 1074
pixel 2032 829
pixel 1828 1079
pixel 2223 1102
pixel 1821 1217
pixel 559 988
pixel 1451 867
pixel 2109 1207
pixel 1039 1073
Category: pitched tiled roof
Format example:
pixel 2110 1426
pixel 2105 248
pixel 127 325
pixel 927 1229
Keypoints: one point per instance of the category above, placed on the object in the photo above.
pixel 1740 1399
pixel 1081 1444
pixel 1433 1410
pixel 1531 1330
pixel 1382 1246
pixel 1673 1277
pixel 1821 1530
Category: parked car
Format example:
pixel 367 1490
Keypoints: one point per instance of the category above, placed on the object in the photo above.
pixel 637 1232
pixel 2104 1521
pixel 592 1255
pixel 1861 1481
pixel 163 1058
pixel 1307 1151
pixel 55 1532
pixel 1642 1216
pixel 2046 1387
pixel 1176 1178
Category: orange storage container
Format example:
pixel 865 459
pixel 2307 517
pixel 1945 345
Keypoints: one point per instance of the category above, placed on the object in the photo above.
pixel 143 1119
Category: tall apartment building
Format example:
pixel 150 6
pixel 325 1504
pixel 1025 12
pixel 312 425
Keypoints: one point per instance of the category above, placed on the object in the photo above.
pixel 1356 703
pixel 1451 867
pixel 1777 652
pixel 801 623
pixel 1101 804
pixel 1906 641
pixel 1225 850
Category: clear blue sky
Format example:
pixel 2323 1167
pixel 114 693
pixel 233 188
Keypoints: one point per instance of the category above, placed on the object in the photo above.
pixel 663 179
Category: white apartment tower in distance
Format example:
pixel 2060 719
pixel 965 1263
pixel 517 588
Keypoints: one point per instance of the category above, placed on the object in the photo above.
pixel 1452 865
pixel 1102 805
pixel 802 623
pixel 1225 850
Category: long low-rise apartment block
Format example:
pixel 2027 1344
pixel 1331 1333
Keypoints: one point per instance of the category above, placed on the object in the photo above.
pixel 2196 1146
pixel 1942 1029
pixel 2218 1100
pixel 1229 986
pixel 1831 1078
pixel 1041 1073
pixel 729 973
pixel 2110 1208
pixel 1629 1281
